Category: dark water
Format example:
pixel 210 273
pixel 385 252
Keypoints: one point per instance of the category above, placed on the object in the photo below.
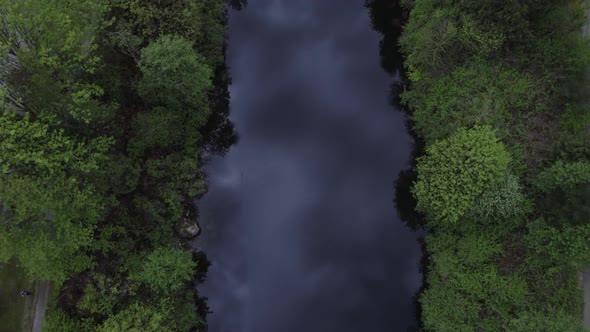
pixel 299 221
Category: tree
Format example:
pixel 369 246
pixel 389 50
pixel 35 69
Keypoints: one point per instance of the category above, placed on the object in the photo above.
pixel 536 321
pixel 174 75
pixel 138 317
pixel 50 206
pixel 502 201
pixel 478 93
pixel 141 21
pixel 431 41
pixel 563 176
pixel 555 248
pixel 465 290
pixel 51 47
pixel 167 269
pixel 456 170
pixel 59 321
pixel 175 83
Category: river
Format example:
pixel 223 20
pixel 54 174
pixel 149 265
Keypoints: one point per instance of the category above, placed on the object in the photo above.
pixel 299 221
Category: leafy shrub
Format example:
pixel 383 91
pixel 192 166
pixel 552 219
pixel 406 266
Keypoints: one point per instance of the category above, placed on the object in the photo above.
pixel 564 248
pixel 456 170
pixel 563 175
pixel 167 269
pixel 502 201
pixel 479 93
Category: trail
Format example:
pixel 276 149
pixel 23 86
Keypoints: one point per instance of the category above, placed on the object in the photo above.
pixel 41 293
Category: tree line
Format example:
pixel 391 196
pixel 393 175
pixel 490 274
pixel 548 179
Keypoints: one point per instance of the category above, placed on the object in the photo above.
pixel 497 94
pixel 105 108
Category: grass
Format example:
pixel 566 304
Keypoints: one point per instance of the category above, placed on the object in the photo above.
pixel 13 307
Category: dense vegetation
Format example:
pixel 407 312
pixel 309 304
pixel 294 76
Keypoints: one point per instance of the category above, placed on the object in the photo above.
pixel 498 94
pixel 106 106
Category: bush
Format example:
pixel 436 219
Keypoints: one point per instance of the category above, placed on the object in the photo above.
pixel 455 171
pixel 502 201
pixel 564 248
pixel 475 94
pixel 167 269
pixel 563 175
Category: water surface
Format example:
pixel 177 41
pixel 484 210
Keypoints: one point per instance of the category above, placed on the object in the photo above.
pixel 299 221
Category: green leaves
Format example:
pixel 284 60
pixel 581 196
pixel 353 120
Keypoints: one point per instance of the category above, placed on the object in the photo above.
pixel 511 66
pixel 52 208
pixel 466 291
pixel 502 201
pixel 565 248
pixel 138 317
pixel 33 148
pixel 167 269
pixel 539 321
pixel 455 171
pixel 53 45
pixel 563 176
pixel 174 75
pixel 175 83
pixel 477 93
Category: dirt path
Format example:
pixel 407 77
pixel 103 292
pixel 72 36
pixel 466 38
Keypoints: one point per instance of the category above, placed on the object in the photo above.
pixel 41 293
pixel 586 287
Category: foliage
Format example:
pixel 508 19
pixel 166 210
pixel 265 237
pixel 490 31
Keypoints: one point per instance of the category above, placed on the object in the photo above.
pixel 465 291
pixel 514 66
pixel 175 81
pixel 158 315
pixel 52 47
pixel 52 210
pixel 456 170
pixel 103 292
pixel 478 93
pixel 138 318
pixel 143 21
pixel 563 175
pixel 545 322
pixel 431 40
pixel 59 321
pixel 502 201
pixel 174 75
pixel 564 248
pixel 167 269
pixel 101 106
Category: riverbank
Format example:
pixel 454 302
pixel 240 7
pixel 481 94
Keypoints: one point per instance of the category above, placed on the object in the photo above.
pixel 103 133
pixel 503 241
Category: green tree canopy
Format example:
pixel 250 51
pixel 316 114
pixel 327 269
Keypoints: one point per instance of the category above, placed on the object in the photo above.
pixel 167 269
pixel 59 321
pixel 138 317
pixel 175 83
pixel 563 176
pixel 502 201
pixel 558 248
pixel 50 208
pixel 51 47
pixel 466 291
pixel 174 75
pixel 456 170
pixel 477 93
pixel 536 321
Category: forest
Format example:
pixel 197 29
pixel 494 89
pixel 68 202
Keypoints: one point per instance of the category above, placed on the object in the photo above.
pixel 498 95
pixel 106 108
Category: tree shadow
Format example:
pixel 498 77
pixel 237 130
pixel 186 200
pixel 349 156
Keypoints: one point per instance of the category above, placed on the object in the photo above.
pixel 388 18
